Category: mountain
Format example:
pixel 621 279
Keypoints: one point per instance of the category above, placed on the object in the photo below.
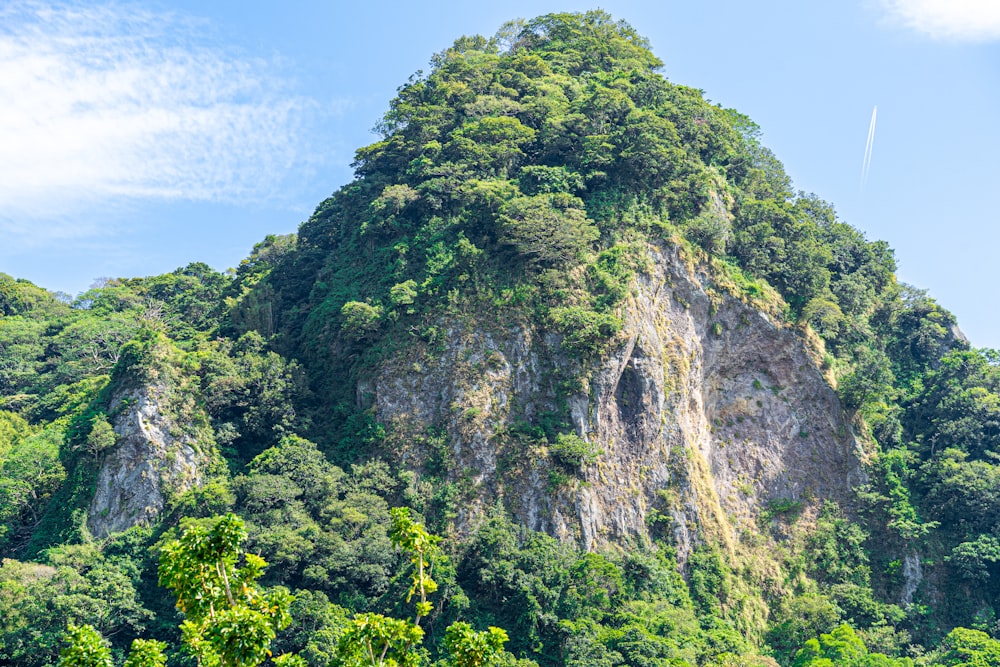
pixel 661 408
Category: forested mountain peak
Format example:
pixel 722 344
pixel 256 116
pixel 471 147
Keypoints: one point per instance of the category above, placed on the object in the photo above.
pixel 661 408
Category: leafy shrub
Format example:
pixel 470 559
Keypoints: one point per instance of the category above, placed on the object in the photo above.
pixel 359 319
pixel 402 294
pixel 547 229
pixel 540 179
pixel 710 230
pixel 585 331
pixel 101 437
pixel 571 450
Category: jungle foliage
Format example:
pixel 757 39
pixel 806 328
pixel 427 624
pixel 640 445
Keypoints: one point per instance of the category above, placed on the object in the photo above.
pixel 523 176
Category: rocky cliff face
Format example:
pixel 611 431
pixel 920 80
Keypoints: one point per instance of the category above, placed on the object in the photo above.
pixel 706 410
pixel 152 459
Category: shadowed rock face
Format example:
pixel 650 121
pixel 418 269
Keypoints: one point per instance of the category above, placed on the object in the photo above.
pixel 147 464
pixel 705 411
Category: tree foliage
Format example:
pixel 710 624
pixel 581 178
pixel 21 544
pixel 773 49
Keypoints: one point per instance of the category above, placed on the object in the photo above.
pixel 229 620
pixel 522 181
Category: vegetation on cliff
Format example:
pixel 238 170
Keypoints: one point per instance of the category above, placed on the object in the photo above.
pixel 520 179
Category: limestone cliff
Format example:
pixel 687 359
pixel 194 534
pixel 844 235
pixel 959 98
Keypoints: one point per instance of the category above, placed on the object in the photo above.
pixel 706 409
pixel 154 457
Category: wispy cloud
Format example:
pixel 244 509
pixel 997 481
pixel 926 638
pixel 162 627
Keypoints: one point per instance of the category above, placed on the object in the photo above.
pixel 103 104
pixel 953 20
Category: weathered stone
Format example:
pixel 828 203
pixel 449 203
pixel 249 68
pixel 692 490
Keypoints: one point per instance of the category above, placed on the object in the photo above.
pixel 149 462
pixel 705 411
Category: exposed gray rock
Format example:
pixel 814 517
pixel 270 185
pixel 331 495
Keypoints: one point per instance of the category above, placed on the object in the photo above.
pixel 152 459
pixel 705 411
pixel 913 575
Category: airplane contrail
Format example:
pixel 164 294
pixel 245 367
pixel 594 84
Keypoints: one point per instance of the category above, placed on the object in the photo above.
pixel 866 165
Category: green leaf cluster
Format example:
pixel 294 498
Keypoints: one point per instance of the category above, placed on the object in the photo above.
pixel 523 182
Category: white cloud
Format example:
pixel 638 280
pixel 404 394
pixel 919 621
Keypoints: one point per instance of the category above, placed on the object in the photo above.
pixel 953 20
pixel 100 105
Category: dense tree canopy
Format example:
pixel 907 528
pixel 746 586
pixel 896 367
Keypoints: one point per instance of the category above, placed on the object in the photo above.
pixel 524 178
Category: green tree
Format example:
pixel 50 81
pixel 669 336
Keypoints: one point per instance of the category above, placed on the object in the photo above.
pixel 493 144
pixel 77 586
pixel 13 427
pixel 230 620
pixel 374 640
pixel 843 648
pixel 547 229
pixel 359 319
pixel 249 392
pixel 101 437
pixel 29 477
pixel 869 380
pixel 798 620
pixel 84 648
pixel 146 653
pixel 968 648
pixel 573 451
pixel 469 648
pixel 378 641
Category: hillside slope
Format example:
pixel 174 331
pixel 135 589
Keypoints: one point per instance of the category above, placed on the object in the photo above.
pixel 662 408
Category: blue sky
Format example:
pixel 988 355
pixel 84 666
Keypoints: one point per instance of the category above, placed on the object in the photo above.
pixel 137 137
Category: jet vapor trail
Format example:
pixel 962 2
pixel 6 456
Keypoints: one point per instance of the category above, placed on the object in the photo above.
pixel 866 165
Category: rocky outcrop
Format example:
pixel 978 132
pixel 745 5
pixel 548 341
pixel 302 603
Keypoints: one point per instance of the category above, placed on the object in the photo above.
pixel 707 410
pixel 713 399
pixel 152 459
